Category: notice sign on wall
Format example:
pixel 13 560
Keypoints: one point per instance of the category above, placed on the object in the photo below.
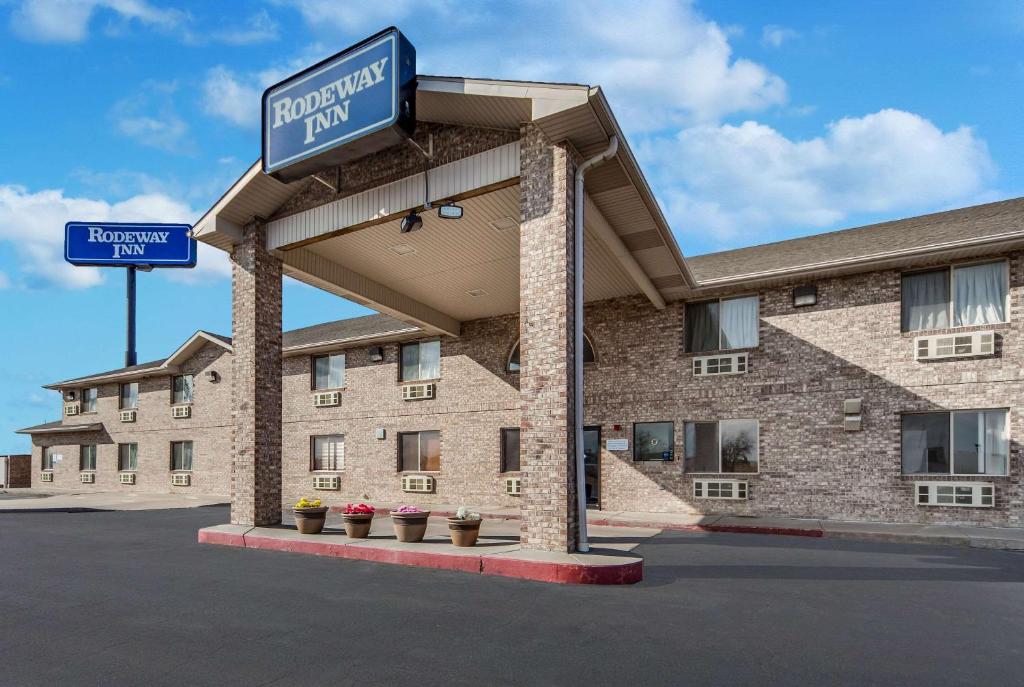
pixel 125 244
pixel 617 444
pixel 358 102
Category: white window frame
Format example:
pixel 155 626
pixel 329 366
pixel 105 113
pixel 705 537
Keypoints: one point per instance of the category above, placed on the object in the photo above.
pixel 329 356
pixel 950 270
pixel 338 464
pixel 719 301
pixel 95 402
pixel 952 444
pixel 718 423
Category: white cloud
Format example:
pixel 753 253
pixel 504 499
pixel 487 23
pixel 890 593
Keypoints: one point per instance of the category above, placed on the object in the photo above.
pixel 369 16
pixel 33 223
pixel 67 21
pixel 149 118
pixel 774 36
pixel 733 181
pixel 258 28
pixel 232 97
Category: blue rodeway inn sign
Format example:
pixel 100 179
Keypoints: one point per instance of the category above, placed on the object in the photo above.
pixel 113 244
pixel 358 102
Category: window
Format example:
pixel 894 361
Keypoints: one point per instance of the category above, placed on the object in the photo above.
pixel 510 450
pixel 181 389
pixel 653 440
pixel 588 355
pixel 47 458
pixel 181 455
pixel 130 396
pixel 127 457
pixel 421 361
pixel 89 397
pixel 328 453
pixel 954 297
pixel 719 447
pixel 329 371
pixel 722 325
pixel 419 451
pixel 964 442
pixel 87 457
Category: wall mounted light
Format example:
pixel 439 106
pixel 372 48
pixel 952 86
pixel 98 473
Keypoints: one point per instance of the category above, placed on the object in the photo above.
pixel 805 295
pixel 449 211
pixel 377 354
pixel 212 376
pixel 411 223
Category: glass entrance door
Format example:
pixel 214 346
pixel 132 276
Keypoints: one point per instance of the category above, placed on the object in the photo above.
pixel 592 464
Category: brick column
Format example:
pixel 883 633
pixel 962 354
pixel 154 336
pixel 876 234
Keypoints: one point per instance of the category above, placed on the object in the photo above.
pixel 255 381
pixel 546 324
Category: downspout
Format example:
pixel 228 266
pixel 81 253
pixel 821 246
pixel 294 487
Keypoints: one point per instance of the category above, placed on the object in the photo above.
pixel 582 543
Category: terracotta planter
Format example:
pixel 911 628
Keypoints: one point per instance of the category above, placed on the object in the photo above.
pixel 310 520
pixel 357 525
pixel 464 532
pixel 410 527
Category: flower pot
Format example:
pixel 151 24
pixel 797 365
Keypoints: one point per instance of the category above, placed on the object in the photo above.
pixel 464 532
pixel 310 520
pixel 410 527
pixel 357 525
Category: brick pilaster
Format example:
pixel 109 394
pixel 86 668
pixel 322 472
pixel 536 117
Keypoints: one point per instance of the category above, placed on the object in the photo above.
pixel 256 381
pixel 546 322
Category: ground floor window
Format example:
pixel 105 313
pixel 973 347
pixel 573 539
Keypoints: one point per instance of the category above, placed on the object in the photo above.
pixel 723 446
pixel 328 452
pixel 419 451
pixel 653 440
pixel 127 457
pixel 87 457
pixel 963 442
pixel 181 455
pixel 510 450
pixel 47 458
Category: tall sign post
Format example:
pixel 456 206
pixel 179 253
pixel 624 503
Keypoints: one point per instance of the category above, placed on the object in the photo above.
pixel 134 246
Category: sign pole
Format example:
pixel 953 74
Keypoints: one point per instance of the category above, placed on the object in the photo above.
pixel 130 357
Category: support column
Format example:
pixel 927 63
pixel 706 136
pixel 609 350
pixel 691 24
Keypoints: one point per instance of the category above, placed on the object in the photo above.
pixel 255 381
pixel 546 268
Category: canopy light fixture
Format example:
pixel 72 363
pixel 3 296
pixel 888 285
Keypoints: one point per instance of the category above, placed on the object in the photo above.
pixel 449 211
pixel 411 223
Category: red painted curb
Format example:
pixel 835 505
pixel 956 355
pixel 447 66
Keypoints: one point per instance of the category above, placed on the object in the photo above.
pixel 541 571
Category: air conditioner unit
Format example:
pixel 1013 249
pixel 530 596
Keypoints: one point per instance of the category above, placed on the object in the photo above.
pixel 418 484
pixel 966 345
pixel 417 392
pixel 713 365
pixel 127 416
pixel 88 477
pixel 326 399
pixel 967 494
pixel 513 486
pixel 179 412
pixel 46 477
pixel 126 478
pixel 181 479
pixel 729 489
pixel 72 408
pixel 332 482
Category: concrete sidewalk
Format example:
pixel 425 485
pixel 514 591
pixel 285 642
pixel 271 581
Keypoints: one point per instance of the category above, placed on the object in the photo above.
pixel 38 500
pixel 1006 538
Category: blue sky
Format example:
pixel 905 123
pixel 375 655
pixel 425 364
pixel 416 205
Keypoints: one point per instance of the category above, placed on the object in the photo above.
pixel 753 121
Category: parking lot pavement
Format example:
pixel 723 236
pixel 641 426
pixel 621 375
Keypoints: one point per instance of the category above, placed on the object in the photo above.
pixel 130 598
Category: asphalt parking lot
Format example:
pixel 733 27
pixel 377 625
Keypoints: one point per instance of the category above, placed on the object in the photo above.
pixel 130 598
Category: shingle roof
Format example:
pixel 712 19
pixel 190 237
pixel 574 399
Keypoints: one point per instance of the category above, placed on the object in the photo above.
pixel 877 240
pixel 346 330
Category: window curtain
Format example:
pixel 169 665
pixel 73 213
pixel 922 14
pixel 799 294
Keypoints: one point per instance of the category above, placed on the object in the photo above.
pixel 430 360
pixel 129 396
pixel 329 452
pixel 701 327
pixel 915 449
pixel 997 444
pixel 330 372
pixel 925 443
pixel 925 301
pixel 739 322
pixel 980 296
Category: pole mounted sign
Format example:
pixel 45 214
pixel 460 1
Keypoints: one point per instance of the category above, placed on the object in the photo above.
pixel 358 102
pixel 105 244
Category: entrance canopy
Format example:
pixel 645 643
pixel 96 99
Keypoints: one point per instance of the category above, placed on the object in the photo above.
pixel 451 271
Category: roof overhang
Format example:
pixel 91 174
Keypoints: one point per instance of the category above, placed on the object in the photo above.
pixel 62 429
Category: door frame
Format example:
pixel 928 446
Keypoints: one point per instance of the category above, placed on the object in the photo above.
pixel 600 491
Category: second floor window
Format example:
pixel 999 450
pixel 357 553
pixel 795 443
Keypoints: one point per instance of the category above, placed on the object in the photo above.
pixel 181 455
pixel 421 361
pixel 127 457
pixel 130 396
pixel 510 450
pixel 329 371
pixel 722 325
pixel 89 397
pixel 954 297
pixel 515 365
pixel 87 457
pixel 181 389
pixel 419 451
pixel 328 453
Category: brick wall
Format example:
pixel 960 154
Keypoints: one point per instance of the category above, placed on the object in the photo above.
pixel 19 471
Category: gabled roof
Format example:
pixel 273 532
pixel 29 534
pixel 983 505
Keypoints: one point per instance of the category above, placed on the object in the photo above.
pixel 954 233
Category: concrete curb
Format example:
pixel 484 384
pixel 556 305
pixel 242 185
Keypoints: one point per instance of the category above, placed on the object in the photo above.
pixel 69 509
